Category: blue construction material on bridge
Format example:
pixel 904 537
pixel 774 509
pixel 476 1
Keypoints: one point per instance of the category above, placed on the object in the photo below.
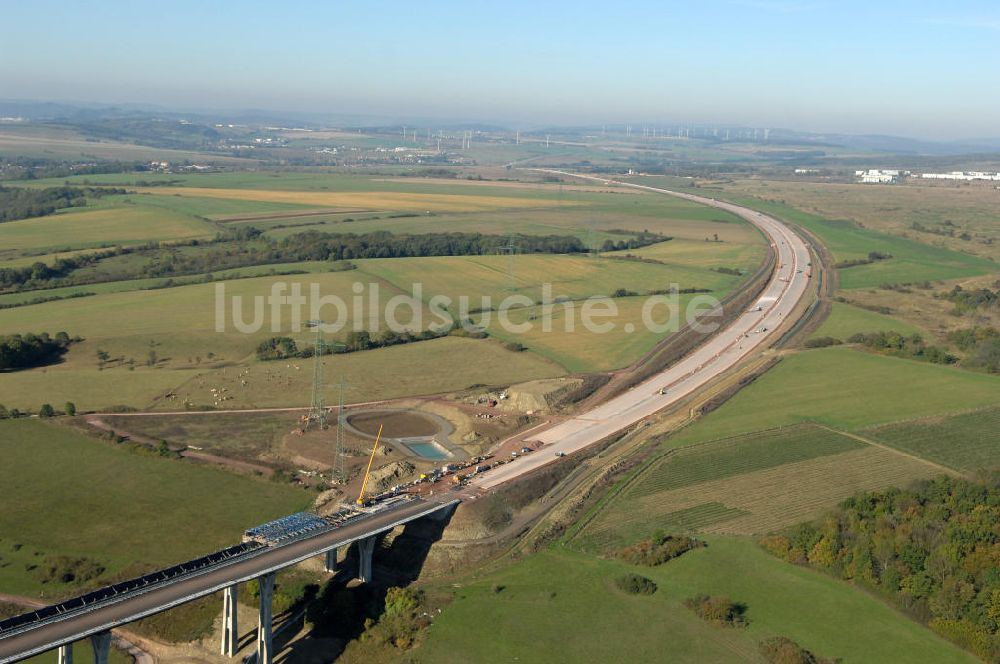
pixel 286 527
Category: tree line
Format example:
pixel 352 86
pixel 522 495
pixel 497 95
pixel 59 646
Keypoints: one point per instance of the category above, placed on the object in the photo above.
pixel 933 550
pixel 637 240
pixel 37 168
pixel 21 203
pixel 873 257
pixel 246 246
pixel 41 275
pixel 897 344
pixel 282 348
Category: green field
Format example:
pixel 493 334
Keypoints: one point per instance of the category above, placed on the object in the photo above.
pixel 948 209
pixel 428 367
pixel 846 389
pixel 69 495
pixel 737 254
pixel 968 442
pixel 125 316
pixel 431 205
pixel 103 225
pixel 741 454
pixel 561 606
pixel 911 261
pixel 156 283
pixel 128 322
pixel 583 350
pixel 754 483
pixel 569 276
pixel 845 320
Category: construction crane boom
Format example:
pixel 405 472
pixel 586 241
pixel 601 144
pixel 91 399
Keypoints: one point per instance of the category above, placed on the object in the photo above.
pixel 364 483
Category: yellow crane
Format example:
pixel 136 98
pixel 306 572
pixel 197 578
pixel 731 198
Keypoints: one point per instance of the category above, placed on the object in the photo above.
pixel 364 484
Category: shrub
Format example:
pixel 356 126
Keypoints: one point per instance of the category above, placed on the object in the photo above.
pixel 70 408
pixel 782 650
pixel 46 410
pixel 719 610
pixel 822 342
pixel 67 569
pixel 657 550
pixel 633 584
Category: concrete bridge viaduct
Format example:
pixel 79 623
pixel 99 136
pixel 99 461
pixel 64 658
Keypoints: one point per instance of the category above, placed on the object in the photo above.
pixel 94 615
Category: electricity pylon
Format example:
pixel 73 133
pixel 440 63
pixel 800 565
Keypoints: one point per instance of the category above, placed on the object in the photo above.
pixel 509 249
pixel 317 409
pixel 339 465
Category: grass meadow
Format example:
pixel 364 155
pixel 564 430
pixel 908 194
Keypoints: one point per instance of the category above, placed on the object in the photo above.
pixel 845 320
pixel 911 261
pixel 69 495
pixel 750 484
pixel 846 389
pixel 945 207
pixel 81 228
pixel 561 605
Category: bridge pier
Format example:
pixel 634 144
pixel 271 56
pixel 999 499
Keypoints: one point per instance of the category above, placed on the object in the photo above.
pixel 264 627
pixel 65 654
pixel 101 644
pixel 230 633
pixel 366 548
pixel 330 561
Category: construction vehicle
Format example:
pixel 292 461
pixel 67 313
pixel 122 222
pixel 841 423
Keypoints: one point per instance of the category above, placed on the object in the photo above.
pixel 368 471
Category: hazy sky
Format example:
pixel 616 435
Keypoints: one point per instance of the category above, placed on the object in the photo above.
pixel 915 68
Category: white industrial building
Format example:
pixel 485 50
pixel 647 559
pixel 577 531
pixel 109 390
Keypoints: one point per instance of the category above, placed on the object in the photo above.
pixel 881 176
pixel 962 175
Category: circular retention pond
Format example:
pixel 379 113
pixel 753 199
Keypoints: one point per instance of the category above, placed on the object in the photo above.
pixel 394 423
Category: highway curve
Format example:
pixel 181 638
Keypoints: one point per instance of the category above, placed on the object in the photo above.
pixel 720 351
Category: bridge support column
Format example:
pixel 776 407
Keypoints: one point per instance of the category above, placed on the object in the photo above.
pixel 366 547
pixel 230 633
pixel 330 561
pixel 101 644
pixel 65 654
pixel 264 627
